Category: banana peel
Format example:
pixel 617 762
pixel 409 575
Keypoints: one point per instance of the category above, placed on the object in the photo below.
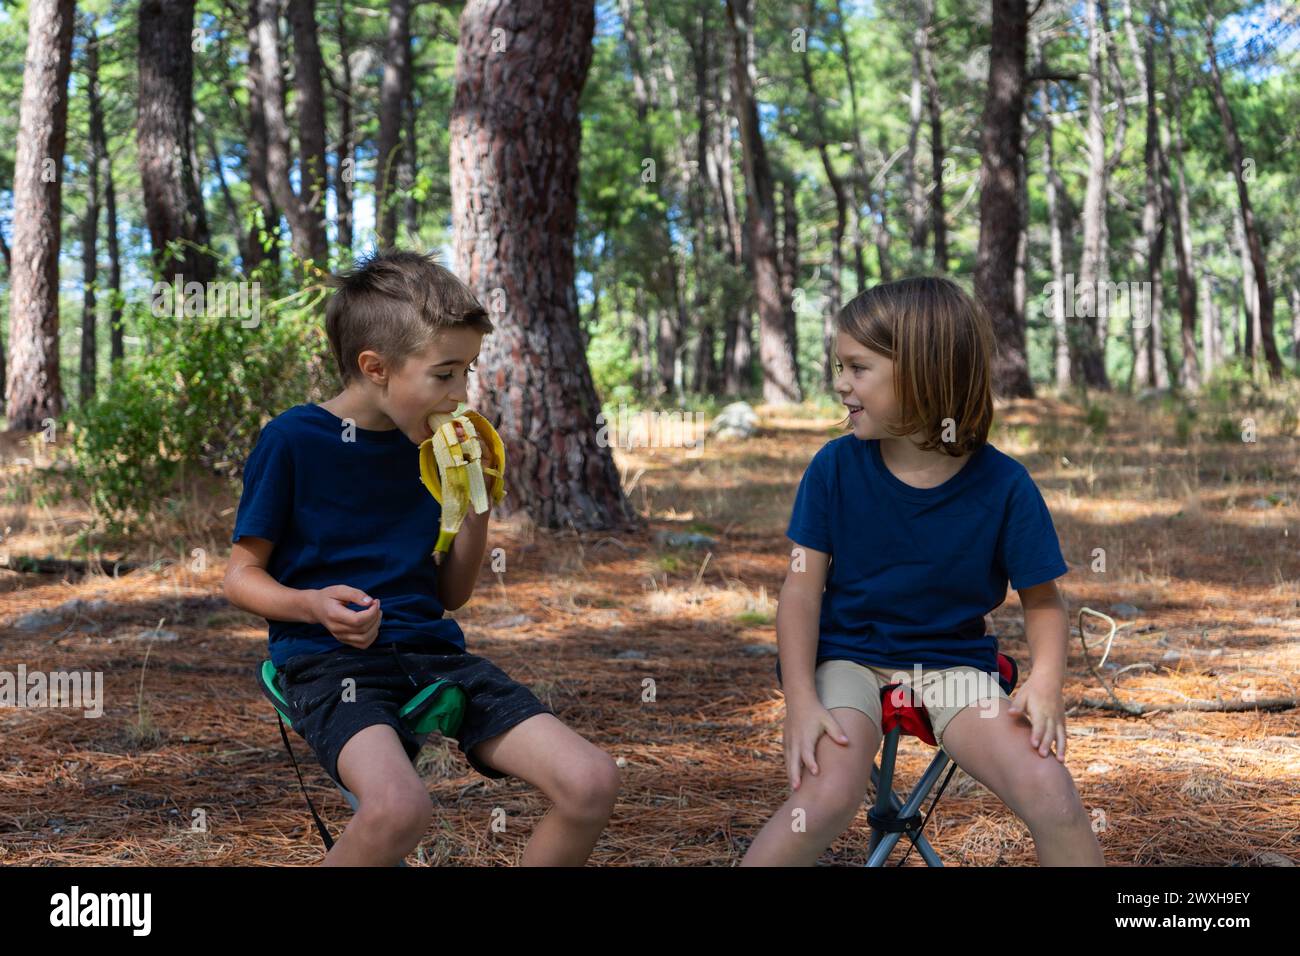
pixel 452 469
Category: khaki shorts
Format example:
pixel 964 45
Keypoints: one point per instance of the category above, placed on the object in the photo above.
pixel 944 692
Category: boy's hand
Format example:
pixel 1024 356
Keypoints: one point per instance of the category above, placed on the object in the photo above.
pixel 354 628
pixel 1041 704
pixel 803 728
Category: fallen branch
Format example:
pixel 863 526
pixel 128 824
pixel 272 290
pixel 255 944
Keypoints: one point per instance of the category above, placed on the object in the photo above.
pixel 1224 706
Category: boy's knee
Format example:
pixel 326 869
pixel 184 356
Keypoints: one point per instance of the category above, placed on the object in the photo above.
pixel 1052 798
pixel 836 804
pixel 590 790
pixel 398 813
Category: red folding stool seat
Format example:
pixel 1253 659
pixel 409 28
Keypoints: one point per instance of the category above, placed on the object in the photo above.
pixel 890 817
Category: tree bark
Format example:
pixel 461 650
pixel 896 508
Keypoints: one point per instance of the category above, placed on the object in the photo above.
pixel 1052 189
pixel 780 376
pixel 1254 243
pixel 841 215
pixel 1001 146
pixel 165 141
pixel 938 220
pixel 259 249
pixel 345 153
pixel 32 388
pixel 310 112
pixel 397 67
pixel 1174 192
pixel 515 144
pixel 90 222
pixel 672 311
pixel 1092 325
pixel 916 212
pixel 1148 355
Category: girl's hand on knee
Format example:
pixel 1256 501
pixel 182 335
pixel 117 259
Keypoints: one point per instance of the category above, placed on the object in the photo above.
pixel 1041 704
pixel 803 728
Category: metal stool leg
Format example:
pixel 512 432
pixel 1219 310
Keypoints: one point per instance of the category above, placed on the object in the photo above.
pixel 888 807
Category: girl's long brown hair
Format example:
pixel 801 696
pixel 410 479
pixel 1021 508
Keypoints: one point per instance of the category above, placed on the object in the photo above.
pixel 941 343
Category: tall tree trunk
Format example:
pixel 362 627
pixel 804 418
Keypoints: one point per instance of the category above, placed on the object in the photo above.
pixel 738 341
pixel 682 166
pixel 406 172
pixel 1174 193
pixel 310 111
pixel 260 249
pixel 515 143
pixel 1249 293
pixel 1148 357
pixel 1001 146
pixel 938 221
pixel 32 388
pixel 1093 323
pixel 1020 281
pixel 780 376
pixel 304 225
pixel 1052 190
pixel 864 190
pixel 916 213
pixel 165 141
pixel 708 372
pixel 397 67
pixel 116 346
pixel 345 153
pixel 789 261
pixel 1255 244
pixel 90 222
pixel 671 324
pixel 841 216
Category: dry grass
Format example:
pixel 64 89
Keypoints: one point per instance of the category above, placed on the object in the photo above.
pixel 189 738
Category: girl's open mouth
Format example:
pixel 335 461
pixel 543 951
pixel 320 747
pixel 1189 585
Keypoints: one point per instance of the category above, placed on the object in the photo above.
pixel 854 410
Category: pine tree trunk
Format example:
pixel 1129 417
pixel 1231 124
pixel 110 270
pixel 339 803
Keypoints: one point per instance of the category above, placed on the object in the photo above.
pixel 1001 146
pixel 258 182
pixel 32 389
pixel 835 298
pixel 515 143
pixel 938 221
pixel 397 67
pixel 1093 322
pixel 780 376
pixel 310 111
pixel 165 141
pixel 90 223
pixel 1255 245
pixel 345 154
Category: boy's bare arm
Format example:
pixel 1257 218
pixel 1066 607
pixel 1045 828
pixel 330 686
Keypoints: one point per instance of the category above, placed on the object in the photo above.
pixel 458 572
pixel 1047 630
pixel 797 614
pixel 249 587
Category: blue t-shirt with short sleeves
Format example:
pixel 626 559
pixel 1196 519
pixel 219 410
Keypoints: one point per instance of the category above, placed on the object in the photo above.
pixel 913 571
pixel 346 512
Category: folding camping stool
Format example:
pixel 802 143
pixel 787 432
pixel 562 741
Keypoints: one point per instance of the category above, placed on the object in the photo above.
pixel 437 706
pixel 890 817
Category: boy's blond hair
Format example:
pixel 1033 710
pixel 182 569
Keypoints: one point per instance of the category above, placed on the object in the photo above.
pixel 941 343
pixel 394 303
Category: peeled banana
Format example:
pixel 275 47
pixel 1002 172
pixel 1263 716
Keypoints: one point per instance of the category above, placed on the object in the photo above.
pixel 452 469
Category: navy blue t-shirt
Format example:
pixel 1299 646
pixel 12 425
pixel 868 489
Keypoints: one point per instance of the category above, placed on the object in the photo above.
pixel 913 571
pixel 345 512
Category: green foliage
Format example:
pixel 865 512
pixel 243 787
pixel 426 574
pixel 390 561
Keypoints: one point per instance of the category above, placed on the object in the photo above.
pixel 1097 419
pixel 196 401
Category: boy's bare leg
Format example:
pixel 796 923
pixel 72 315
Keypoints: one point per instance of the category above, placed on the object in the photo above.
pixel 829 801
pixel 580 779
pixel 996 751
pixel 395 809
